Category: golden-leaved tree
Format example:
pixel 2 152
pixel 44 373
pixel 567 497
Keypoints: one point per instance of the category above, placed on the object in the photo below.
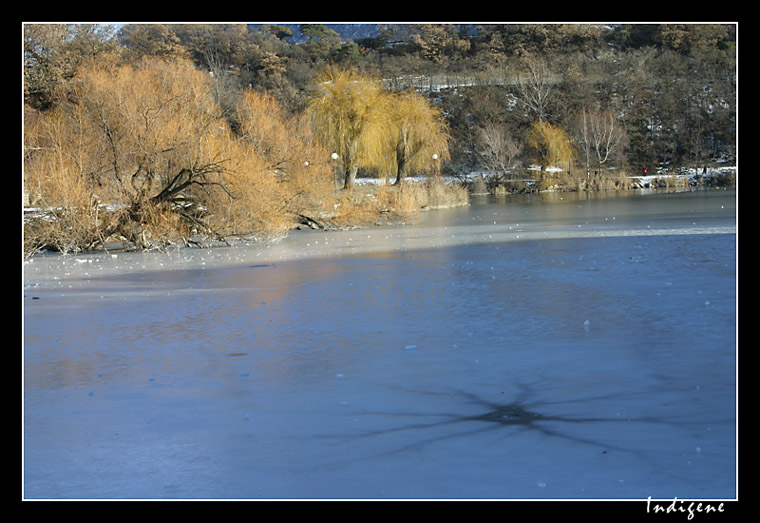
pixel 294 170
pixel 419 136
pixel 352 118
pixel 550 146
pixel 377 130
pixel 149 139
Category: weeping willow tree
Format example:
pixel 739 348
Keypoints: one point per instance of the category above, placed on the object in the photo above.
pixel 550 146
pixel 370 128
pixel 353 118
pixel 420 135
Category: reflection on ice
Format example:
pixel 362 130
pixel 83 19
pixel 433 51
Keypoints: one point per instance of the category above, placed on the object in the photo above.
pixel 426 362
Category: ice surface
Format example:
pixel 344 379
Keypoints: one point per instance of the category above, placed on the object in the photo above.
pixel 516 349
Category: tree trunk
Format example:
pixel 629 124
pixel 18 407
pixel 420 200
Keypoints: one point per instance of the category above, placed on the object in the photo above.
pixel 400 172
pixel 350 177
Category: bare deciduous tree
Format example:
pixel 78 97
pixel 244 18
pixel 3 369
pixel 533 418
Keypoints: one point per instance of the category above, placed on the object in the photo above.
pixel 599 135
pixel 52 52
pixel 498 148
pixel 536 88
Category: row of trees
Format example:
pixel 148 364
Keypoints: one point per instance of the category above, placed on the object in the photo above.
pixel 673 111
pixel 594 138
pixel 369 127
pixel 174 157
pixel 230 129
pixel 671 87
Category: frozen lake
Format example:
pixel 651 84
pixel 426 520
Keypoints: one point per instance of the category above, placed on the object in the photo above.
pixel 531 347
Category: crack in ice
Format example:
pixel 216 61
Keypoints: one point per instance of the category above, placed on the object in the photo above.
pixel 514 417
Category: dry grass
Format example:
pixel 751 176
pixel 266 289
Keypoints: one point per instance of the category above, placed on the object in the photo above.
pixel 369 205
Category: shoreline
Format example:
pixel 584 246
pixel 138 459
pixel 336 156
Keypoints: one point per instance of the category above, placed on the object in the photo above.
pixel 53 270
pixel 409 220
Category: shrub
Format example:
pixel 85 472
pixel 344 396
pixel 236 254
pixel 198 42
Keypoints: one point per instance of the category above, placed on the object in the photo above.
pixel 149 141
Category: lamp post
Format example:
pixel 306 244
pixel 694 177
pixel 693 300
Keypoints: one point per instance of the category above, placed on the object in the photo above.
pixel 435 164
pixel 334 156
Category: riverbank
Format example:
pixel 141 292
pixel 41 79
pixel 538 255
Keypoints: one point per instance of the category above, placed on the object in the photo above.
pixel 509 218
pixel 371 203
pixel 507 183
pixel 86 229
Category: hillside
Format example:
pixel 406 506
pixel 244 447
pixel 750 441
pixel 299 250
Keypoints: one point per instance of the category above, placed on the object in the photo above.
pixel 350 32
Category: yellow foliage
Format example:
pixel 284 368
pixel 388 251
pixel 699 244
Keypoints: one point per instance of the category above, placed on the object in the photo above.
pixel 420 140
pixel 286 145
pixel 351 114
pixel 374 129
pixel 550 145
pixel 148 139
